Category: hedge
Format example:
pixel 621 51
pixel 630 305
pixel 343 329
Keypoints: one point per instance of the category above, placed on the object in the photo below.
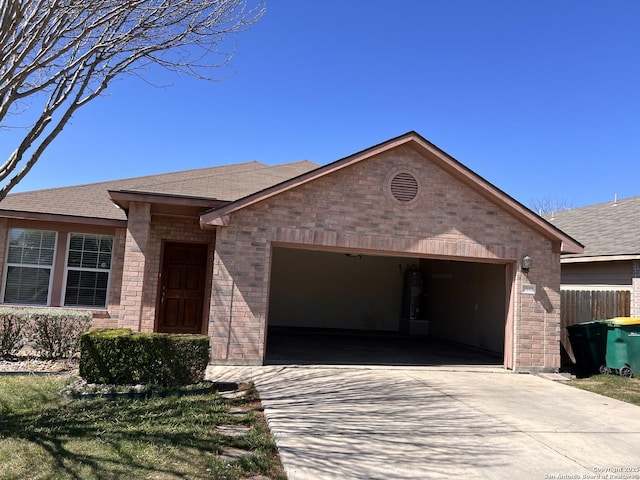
pixel 52 332
pixel 121 357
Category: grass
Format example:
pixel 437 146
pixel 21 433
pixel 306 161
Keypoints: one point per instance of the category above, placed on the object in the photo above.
pixel 614 386
pixel 46 436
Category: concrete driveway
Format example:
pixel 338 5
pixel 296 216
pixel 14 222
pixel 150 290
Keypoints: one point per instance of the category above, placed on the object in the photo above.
pixel 445 422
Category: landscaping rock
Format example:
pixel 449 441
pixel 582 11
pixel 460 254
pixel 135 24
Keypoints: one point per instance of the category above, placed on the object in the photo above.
pixel 29 364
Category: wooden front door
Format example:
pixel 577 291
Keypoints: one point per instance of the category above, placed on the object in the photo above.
pixel 182 284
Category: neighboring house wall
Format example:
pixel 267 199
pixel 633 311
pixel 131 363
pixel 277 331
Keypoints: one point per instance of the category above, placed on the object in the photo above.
pixel 617 273
pixel 609 233
pixel 635 289
pixel 350 210
pixel 604 276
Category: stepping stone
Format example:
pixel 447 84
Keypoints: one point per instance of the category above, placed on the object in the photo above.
pixel 232 395
pixel 233 430
pixel 237 412
pixel 231 453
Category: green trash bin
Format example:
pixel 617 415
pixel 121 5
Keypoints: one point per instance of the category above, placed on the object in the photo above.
pixel 623 346
pixel 589 343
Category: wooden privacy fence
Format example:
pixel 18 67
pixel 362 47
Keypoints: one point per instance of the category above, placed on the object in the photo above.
pixel 577 306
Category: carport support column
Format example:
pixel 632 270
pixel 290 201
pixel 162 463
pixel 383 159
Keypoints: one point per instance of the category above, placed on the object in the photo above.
pixel 135 261
pixel 635 288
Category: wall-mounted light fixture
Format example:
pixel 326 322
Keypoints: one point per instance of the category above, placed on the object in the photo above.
pixel 527 263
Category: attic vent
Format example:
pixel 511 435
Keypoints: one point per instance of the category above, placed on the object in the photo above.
pixel 404 187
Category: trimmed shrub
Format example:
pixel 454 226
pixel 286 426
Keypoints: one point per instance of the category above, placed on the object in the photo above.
pixel 12 326
pixel 121 357
pixel 55 332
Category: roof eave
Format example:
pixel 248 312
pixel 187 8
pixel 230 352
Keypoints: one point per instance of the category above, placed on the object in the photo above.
pixel 571 247
pixel 122 198
pixel 601 258
pixel 62 218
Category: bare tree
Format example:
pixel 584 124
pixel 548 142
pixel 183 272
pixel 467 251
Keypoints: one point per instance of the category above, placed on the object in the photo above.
pixel 548 205
pixel 58 55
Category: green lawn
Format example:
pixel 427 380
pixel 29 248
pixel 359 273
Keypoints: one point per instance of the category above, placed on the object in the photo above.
pixel 614 386
pixel 45 436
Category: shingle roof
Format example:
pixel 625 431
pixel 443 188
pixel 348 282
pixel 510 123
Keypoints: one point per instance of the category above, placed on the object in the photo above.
pixel 227 183
pixel 605 229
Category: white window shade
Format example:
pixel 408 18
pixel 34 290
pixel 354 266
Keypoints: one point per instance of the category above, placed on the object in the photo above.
pixel 88 270
pixel 29 264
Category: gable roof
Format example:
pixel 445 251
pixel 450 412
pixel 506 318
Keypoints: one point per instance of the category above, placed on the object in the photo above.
pixel 609 230
pixel 92 201
pixel 220 216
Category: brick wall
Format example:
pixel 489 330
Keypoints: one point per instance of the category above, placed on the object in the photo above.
pixel 102 318
pixel 133 274
pixel 351 209
pixel 166 228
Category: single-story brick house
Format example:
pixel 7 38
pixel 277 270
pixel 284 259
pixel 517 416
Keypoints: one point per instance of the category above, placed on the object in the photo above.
pixel 610 233
pixel 230 251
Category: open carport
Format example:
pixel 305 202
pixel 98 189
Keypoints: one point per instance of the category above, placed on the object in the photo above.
pixel 328 307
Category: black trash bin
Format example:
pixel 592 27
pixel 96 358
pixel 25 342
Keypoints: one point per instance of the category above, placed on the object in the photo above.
pixel 589 343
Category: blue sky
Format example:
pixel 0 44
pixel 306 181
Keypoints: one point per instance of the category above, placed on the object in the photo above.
pixel 541 98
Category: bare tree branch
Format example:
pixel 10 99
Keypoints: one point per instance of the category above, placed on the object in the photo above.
pixel 548 205
pixel 58 55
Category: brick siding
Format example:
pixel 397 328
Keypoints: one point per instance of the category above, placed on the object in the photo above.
pixel 107 318
pixel 351 209
pixel 163 228
pixel 134 269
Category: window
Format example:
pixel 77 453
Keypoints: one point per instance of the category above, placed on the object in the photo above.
pixel 88 269
pixel 30 255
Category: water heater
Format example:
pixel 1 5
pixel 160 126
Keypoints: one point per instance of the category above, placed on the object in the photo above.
pixel 412 296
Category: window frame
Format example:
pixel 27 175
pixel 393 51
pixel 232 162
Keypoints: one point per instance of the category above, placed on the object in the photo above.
pixel 67 268
pixel 8 264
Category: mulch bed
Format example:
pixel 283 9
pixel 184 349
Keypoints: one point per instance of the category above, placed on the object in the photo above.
pixel 28 361
pixel 21 364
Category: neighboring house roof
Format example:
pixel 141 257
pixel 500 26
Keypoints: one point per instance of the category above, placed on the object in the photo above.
pixel 609 231
pixel 224 183
pixel 220 215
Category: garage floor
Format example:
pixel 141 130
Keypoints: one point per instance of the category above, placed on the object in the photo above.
pixel 326 347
